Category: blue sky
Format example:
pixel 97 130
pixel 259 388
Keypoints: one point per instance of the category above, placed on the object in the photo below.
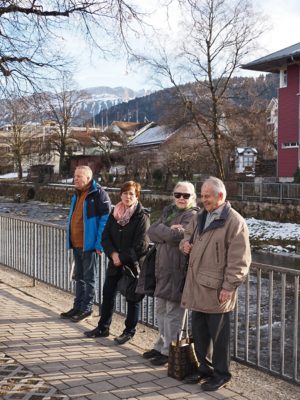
pixel 93 70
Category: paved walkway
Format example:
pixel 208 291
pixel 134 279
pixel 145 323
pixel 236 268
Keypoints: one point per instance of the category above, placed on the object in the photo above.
pixel 44 357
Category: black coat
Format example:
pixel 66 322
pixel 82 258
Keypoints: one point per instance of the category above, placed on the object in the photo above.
pixel 130 241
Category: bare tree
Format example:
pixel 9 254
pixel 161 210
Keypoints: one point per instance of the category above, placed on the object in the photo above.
pixel 19 132
pixel 30 29
pixel 216 36
pixel 60 107
pixel 108 141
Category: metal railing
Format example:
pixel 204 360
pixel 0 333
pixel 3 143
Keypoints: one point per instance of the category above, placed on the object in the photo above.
pixel 39 250
pixel 274 192
pixel 265 322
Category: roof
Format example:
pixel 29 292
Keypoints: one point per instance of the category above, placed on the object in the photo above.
pixel 276 61
pixel 155 134
pixel 128 126
pixel 242 150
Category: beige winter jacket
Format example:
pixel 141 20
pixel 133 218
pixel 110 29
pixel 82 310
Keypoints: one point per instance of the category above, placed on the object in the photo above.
pixel 220 258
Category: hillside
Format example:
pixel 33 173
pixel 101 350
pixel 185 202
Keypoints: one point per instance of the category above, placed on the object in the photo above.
pixel 152 107
pixel 103 105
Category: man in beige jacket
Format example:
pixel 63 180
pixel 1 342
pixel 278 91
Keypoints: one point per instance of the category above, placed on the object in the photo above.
pixel 219 262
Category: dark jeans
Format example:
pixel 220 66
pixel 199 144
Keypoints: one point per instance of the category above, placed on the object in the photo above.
pixel 211 333
pixel 108 303
pixel 85 277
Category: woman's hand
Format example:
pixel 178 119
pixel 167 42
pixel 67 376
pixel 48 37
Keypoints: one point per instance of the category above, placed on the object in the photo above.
pixel 116 259
pixel 177 226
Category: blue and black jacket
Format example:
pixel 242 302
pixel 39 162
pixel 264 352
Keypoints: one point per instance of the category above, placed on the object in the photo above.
pixel 96 209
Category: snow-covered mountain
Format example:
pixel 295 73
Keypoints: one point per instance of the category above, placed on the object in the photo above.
pixel 100 98
pixel 91 102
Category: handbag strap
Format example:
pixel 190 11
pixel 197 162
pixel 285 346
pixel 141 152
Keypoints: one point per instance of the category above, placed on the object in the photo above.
pixel 184 326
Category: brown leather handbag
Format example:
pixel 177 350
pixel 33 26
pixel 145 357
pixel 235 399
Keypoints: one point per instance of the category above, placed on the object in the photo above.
pixel 182 358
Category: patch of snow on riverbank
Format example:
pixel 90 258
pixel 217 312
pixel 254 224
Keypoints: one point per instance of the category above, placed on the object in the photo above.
pixel 261 229
pixel 268 230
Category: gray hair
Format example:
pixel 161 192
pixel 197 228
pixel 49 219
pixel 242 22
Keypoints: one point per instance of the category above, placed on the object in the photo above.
pixel 217 185
pixel 191 189
pixel 87 170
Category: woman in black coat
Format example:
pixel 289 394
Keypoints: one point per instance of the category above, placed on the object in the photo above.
pixel 125 242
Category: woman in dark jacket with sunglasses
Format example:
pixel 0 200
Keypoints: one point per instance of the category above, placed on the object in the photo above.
pixel 170 263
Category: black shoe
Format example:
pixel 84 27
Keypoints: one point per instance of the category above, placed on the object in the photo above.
pixel 69 314
pixel 214 383
pixel 81 316
pixel 151 354
pixel 196 378
pixel 159 360
pixel 125 337
pixel 96 333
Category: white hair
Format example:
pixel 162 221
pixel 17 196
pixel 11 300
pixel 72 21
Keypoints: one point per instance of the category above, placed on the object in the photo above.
pixel 191 189
pixel 217 186
pixel 87 170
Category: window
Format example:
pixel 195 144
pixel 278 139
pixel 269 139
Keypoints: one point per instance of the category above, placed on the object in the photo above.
pixel 248 161
pixel 283 78
pixel 290 145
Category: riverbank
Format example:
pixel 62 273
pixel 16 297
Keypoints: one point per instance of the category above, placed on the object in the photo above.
pixel 275 209
pixel 269 236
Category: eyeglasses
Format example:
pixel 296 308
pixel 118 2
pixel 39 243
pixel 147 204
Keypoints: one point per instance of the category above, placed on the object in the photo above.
pixel 186 196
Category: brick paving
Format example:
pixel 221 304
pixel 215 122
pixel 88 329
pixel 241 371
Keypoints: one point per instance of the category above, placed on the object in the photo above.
pixel 44 357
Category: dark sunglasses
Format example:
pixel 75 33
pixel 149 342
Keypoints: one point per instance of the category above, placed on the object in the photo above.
pixel 186 196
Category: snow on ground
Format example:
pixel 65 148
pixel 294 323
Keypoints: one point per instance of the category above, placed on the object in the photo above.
pixel 12 175
pixel 272 230
pixel 267 230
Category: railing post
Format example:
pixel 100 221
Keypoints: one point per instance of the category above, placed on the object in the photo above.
pixel 35 252
pixel 260 192
pixel 296 327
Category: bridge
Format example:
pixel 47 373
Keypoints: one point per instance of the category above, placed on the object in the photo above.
pixel 37 346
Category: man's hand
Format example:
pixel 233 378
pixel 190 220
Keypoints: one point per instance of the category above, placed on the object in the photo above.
pixel 99 252
pixel 116 259
pixel 225 295
pixel 187 247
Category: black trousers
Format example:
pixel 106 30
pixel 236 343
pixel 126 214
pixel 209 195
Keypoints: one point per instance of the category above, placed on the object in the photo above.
pixel 211 333
pixel 108 302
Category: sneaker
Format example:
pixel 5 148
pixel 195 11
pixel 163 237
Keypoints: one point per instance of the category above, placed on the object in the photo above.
pixel 81 315
pixel 160 360
pixel 96 333
pixel 69 314
pixel 125 337
pixel 151 354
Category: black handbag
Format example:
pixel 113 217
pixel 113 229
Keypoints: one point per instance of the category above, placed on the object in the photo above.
pixel 147 281
pixel 182 357
pixel 127 285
